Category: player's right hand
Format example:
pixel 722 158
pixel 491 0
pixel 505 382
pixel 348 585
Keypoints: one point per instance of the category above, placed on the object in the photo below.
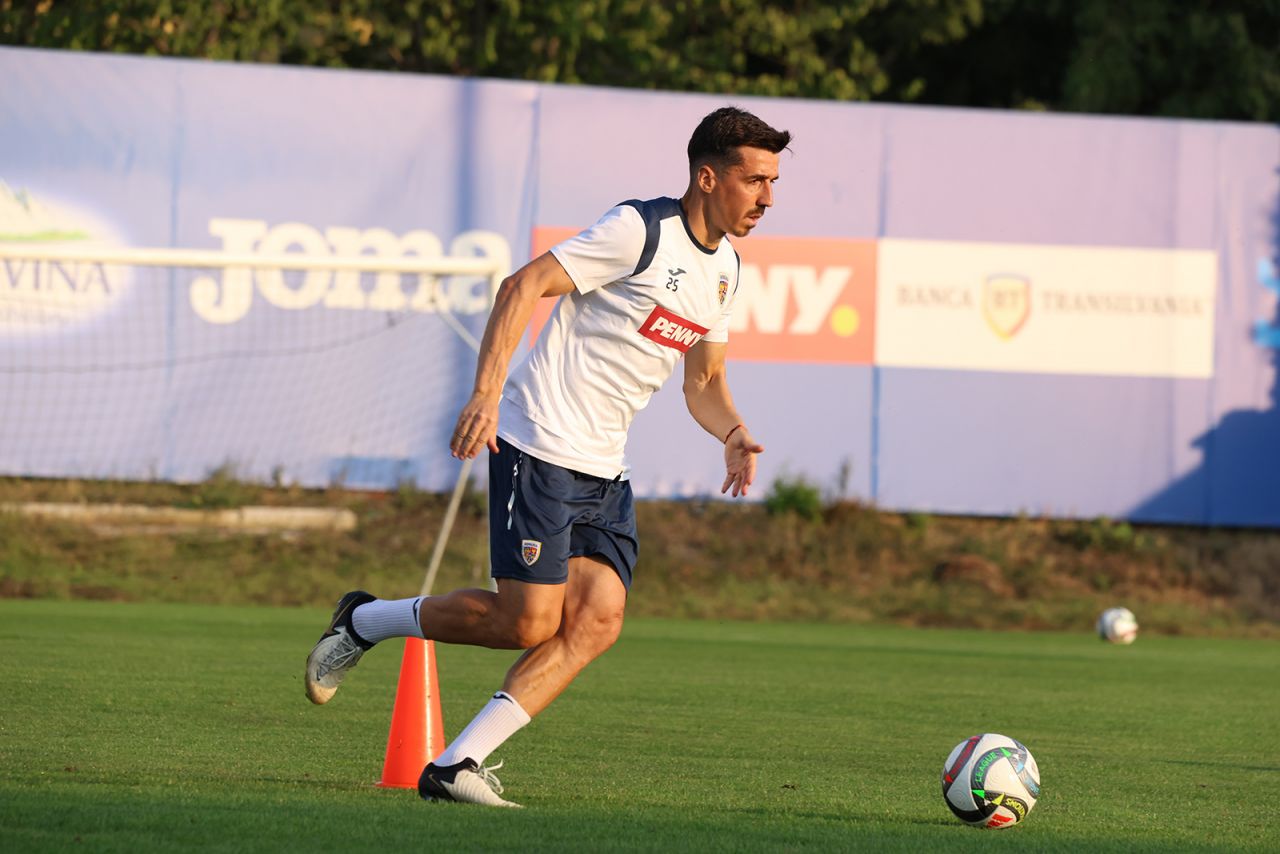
pixel 740 451
pixel 477 427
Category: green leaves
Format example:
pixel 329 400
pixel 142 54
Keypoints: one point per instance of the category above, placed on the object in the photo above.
pixel 1193 58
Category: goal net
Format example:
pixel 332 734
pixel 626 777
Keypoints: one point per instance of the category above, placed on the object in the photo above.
pixel 171 364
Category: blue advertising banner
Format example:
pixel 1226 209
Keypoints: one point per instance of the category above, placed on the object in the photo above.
pixel 313 378
pixel 955 311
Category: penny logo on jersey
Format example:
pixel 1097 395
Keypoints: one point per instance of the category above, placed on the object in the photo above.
pixel 798 299
pixel 671 330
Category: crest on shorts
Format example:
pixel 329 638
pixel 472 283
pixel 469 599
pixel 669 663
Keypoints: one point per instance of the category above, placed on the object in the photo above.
pixel 530 550
pixel 724 287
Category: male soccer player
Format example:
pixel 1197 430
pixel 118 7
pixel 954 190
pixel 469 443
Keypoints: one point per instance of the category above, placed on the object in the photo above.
pixel 650 282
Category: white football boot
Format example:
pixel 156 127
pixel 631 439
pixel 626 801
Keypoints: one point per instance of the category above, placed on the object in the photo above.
pixel 337 651
pixel 465 782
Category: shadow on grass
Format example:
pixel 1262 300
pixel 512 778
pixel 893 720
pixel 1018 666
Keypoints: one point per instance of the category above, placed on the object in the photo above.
pixel 1009 651
pixel 196 818
pixel 1235 766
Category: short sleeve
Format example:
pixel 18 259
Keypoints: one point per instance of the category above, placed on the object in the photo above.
pixel 605 252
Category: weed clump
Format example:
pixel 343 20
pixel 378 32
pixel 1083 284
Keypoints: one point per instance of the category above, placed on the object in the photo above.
pixel 795 496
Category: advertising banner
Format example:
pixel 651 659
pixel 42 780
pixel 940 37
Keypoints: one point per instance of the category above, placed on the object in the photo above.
pixel 1046 309
pixel 957 311
pixel 315 377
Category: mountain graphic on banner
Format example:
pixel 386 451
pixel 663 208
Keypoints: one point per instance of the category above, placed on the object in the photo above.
pixel 24 218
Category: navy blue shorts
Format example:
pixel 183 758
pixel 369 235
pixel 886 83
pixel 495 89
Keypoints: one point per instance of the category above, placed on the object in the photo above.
pixel 541 514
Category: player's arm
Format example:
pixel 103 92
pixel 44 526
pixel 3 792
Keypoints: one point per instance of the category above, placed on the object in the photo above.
pixel 706 393
pixel 478 423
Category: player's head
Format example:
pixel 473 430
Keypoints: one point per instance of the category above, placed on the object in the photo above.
pixel 733 161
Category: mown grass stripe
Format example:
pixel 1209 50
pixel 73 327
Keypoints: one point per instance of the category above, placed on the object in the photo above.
pixel 163 727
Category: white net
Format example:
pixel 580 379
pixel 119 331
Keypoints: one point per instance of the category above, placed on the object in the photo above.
pixel 171 364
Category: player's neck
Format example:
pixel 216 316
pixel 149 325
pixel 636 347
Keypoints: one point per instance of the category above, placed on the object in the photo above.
pixel 699 220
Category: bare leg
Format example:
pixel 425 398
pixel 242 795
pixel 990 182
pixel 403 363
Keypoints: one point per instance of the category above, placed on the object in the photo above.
pixel 594 600
pixel 518 616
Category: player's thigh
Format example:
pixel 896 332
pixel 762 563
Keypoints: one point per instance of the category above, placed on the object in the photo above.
pixel 594 602
pixel 533 612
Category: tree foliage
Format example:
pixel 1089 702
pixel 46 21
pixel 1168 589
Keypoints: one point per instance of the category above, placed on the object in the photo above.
pixel 1196 58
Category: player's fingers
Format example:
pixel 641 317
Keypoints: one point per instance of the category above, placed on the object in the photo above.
pixel 486 437
pixel 463 437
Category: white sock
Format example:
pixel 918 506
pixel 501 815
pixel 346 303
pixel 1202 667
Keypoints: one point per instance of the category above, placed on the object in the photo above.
pixel 497 721
pixel 387 618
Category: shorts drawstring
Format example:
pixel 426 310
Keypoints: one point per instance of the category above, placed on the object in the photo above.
pixel 606 485
pixel 515 473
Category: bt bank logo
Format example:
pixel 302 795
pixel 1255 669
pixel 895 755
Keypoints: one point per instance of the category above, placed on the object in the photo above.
pixel 1006 303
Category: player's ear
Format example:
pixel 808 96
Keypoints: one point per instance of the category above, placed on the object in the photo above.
pixel 705 178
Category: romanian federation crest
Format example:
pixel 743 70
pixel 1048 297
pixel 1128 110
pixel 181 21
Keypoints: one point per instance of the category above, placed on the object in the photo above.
pixel 724 287
pixel 530 550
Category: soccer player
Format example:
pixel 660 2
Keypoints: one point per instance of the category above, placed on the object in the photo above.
pixel 649 283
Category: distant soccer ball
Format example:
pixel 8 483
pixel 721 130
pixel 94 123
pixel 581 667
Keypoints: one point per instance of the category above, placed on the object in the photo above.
pixel 990 780
pixel 1117 625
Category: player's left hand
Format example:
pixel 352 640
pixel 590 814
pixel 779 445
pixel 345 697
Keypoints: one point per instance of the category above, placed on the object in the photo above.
pixel 740 462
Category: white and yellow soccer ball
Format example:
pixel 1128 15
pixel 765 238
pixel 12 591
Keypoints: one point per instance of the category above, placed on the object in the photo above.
pixel 1117 625
pixel 990 780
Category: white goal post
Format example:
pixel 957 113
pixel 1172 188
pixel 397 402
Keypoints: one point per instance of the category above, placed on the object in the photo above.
pixel 428 269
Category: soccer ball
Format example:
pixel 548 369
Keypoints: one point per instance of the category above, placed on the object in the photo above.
pixel 1117 625
pixel 990 780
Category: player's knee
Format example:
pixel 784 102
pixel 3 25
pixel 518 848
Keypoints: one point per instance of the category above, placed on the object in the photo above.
pixel 599 632
pixel 531 628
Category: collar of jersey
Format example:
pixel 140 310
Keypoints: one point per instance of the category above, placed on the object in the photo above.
pixel 684 220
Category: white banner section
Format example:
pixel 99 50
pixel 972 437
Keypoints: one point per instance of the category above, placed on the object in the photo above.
pixel 1045 309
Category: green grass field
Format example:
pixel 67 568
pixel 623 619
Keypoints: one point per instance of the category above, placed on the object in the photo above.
pixel 163 727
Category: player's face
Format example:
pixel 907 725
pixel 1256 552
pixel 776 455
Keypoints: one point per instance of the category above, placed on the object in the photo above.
pixel 745 190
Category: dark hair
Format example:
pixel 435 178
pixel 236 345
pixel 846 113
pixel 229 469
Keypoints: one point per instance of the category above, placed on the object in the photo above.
pixel 720 134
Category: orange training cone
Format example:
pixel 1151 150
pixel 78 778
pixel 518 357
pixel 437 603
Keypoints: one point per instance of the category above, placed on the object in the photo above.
pixel 417 727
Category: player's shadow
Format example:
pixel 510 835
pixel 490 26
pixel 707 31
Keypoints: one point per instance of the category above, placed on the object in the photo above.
pixel 1238 479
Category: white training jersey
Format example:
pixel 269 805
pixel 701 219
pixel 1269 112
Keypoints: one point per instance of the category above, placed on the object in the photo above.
pixel 645 292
